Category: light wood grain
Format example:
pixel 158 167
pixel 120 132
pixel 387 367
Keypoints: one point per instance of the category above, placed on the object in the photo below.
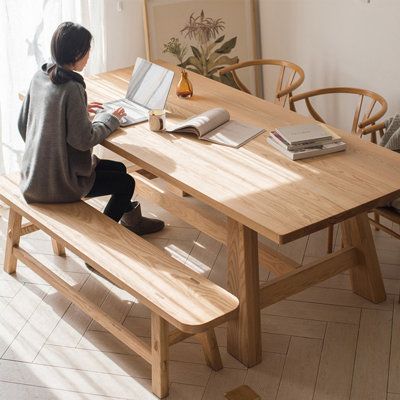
pixel 366 277
pixel 159 356
pixel 362 118
pixel 13 236
pixel 244 333
pixel 177 336
pixel 81 228
pixel 364 122
pixel 203 218
pixel 281 200
pixel 388 214
pixel 307 275
pixel 210 349
pixel 255 185
pixel 58 248
pixel 286 83
pixel 117 305
pixel 88 307
pixel 134 262
pixel 75 322
pixel 207 220
pixel 28 228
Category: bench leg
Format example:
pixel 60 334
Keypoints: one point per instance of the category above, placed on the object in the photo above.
pixel 244 332
pixel 58 249
pixel 330 239
pixel 159 351
pixel 366 278
pixel 13 236
pixel 210 349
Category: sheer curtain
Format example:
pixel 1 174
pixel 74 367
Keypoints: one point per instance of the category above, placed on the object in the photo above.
pixel 26 27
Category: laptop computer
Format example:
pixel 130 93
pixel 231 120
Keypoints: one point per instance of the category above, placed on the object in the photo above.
pixel 148 90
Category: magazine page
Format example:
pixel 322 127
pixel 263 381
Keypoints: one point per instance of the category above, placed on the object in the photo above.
pixel 233 134
pixel 202 123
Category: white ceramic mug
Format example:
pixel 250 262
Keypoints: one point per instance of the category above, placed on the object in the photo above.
pixel 157 120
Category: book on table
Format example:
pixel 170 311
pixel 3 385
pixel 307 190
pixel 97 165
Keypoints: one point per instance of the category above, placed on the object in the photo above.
pixel 298 134
pixel 303 141
pixel 289 142
pixel 216 126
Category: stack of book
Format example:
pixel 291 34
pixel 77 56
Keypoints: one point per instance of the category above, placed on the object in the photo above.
pixel 303 141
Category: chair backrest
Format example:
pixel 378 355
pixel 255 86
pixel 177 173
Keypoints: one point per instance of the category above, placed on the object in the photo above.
pixel 364 120
pixel 291 76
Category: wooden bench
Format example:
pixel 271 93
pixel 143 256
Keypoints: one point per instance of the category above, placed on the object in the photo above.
pixel 174 294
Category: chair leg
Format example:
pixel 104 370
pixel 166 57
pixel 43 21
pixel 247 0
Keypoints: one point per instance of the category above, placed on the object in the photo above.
pixel 13 236
pixel 377 220
pixel 330 239
pixel 58 248
pixel 210 349
pixel 159 350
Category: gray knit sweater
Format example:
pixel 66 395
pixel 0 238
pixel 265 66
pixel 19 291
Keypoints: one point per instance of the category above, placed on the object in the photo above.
pixel 58 166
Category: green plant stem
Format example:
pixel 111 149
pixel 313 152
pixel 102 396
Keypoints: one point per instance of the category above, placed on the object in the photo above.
pixel 204 57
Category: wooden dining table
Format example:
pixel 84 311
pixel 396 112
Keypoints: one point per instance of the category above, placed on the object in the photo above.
pixel 255 191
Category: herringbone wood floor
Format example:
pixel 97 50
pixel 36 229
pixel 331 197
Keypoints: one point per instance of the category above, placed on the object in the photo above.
pixel 323 344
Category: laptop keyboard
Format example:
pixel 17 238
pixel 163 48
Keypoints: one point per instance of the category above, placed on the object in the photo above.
pixel 133 111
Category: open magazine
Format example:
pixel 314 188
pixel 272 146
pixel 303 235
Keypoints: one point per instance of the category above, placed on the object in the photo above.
pixel 215 126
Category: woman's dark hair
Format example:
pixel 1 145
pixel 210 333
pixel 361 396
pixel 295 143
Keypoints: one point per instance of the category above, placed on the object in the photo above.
pixel 70 43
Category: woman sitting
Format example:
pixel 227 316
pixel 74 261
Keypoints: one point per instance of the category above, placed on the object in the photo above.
pixel 58 165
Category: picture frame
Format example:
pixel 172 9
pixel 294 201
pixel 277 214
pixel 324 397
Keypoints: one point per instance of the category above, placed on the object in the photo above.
pixel 204 36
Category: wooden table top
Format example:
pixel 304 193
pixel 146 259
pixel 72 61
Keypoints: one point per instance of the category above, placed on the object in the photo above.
pixel 255 185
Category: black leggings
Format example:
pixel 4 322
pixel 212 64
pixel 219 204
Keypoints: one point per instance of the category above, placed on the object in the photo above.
pixel 112 178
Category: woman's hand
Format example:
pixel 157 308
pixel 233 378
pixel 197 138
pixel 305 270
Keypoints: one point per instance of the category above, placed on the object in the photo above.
pixel 94 106
pixel 119 113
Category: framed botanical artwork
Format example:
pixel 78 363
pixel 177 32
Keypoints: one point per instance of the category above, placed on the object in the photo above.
pixel 204 36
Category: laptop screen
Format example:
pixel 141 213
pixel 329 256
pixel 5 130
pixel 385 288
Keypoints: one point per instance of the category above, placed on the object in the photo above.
pixel 149 85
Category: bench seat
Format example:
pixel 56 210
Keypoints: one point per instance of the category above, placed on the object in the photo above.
pixel 173 292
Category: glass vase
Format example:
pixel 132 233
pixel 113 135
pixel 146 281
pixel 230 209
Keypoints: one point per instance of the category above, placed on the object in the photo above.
pixel 184 89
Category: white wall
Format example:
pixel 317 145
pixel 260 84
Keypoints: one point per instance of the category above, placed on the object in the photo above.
pixel 337 43
pixel 124 35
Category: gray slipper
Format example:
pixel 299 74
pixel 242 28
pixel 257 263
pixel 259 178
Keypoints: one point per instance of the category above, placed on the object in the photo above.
pixel 135 222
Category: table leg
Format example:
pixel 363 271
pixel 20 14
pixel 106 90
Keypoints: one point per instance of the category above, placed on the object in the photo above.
pixel 366 278
pixel 244 333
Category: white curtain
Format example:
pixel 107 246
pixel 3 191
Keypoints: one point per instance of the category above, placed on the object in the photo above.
pixel 26 27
